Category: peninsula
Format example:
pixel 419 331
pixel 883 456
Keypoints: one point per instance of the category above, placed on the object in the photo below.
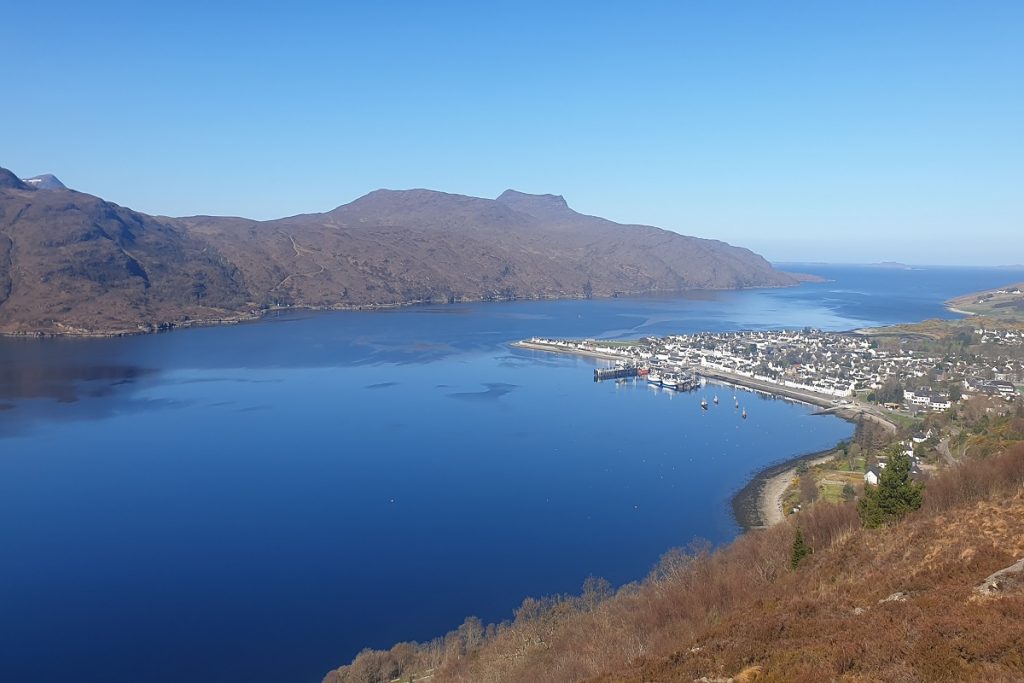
pixel 75 264
pixel 1005 304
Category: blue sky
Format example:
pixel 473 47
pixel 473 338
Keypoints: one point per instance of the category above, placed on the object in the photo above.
pixel 857 131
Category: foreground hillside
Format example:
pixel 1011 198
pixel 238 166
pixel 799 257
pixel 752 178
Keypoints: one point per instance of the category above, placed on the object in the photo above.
pixel 906 602
pixel 71 263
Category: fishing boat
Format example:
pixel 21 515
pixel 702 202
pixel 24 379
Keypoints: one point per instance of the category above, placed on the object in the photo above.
pixel 654 378
pixel 704 403
pixel 668 381
pixel 715 399
pixel 744 414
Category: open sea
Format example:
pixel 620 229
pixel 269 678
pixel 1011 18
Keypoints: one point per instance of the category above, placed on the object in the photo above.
pixel 258 502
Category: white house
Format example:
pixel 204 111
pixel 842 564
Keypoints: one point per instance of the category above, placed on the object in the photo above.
pixel 871 476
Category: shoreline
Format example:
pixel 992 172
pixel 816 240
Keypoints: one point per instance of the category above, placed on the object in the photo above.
pixel 953 309
pixel 532 346
pixel 237 317
pixel 759 503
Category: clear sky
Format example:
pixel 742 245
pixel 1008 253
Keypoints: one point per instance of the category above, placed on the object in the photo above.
pixel 831 131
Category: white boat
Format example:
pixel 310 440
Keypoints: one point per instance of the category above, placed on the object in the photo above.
pixel 715 399
pixel 668 382
pixel 654 378
pixel 704 403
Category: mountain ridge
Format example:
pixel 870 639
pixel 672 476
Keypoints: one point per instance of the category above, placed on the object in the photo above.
pixel 46 181
pixel 75 264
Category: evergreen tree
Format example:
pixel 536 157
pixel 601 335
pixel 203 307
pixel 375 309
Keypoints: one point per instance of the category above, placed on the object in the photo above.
pixel 895 495
pixel 800 549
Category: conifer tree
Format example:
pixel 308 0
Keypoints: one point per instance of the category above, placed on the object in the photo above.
pixel 800 549
pixel 894 496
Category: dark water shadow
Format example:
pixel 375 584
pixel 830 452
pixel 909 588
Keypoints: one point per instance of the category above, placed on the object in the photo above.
pixel 494 391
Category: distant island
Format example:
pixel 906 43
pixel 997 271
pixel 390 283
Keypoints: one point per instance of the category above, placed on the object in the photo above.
pixel 893 265
pixel 75 264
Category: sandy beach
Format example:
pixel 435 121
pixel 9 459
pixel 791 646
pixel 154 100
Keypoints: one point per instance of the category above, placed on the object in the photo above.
pixel 770 500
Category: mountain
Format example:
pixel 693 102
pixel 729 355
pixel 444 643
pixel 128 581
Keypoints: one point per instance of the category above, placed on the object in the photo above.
pixel 72 263
pixel 9 181
pixel 47 181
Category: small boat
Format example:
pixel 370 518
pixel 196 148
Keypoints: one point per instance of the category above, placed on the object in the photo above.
pixel 654 378
pixel 704 403
pixel 668 382
pixel 744 414
pixel 737 404
pixel 715 399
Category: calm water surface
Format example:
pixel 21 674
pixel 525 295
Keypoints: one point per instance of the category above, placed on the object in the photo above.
pixel 259 502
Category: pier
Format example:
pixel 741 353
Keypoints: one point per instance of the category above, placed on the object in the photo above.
pixel 615 372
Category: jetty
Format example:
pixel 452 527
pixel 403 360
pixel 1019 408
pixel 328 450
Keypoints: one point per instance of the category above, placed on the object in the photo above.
pixel 616 372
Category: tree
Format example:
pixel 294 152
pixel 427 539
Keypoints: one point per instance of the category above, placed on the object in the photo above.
pixel 849 493
pixel 894 496
pixel 891 391
pixel 595 591
pixel 800 549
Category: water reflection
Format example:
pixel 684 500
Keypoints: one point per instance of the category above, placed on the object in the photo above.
pixel 64 383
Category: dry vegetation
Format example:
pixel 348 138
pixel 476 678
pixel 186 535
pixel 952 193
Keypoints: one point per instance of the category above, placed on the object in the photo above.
pixel 892 604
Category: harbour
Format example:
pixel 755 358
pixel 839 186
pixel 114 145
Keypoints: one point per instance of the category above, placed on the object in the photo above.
pixel 663 370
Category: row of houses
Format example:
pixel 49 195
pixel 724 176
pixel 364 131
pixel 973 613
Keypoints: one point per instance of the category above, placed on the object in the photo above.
pixel 829 363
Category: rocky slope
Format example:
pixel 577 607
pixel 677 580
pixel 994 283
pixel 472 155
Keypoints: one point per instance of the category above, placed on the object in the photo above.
pixel 71 263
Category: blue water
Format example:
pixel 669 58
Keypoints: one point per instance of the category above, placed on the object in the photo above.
pixel 259 502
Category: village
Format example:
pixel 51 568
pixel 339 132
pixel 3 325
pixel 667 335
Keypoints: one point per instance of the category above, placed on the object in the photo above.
pixel 895 375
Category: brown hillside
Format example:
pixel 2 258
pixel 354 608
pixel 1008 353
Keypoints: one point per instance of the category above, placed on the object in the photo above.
pixel 421 245
pixel 73 263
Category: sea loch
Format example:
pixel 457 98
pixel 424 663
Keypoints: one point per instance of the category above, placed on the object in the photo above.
pixel 258 502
